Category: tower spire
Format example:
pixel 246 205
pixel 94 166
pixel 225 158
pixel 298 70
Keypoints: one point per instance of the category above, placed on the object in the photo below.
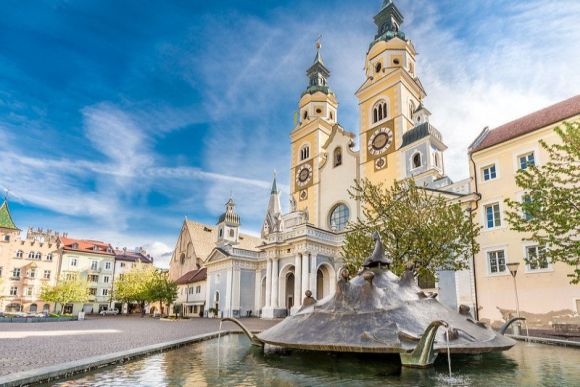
pixel 318 74
pixel 388 21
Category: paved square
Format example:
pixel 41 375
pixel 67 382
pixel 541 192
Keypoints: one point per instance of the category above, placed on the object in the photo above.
pixel 27 346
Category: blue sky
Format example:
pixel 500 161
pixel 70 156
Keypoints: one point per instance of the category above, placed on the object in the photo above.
pixel 120 118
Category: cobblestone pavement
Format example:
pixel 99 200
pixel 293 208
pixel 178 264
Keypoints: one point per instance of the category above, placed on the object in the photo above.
pixel 26 346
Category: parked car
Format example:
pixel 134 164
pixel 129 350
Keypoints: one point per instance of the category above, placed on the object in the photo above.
pixel 109 311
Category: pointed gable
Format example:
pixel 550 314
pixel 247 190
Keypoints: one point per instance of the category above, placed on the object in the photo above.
pixel 6 218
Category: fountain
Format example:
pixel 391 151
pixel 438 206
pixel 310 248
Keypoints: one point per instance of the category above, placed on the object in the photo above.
pixel 378 312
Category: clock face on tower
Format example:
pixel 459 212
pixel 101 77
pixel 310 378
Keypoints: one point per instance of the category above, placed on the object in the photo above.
pixel 303 175
pixel 380 141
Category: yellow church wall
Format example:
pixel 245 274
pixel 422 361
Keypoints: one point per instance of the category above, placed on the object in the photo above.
pixel 540 291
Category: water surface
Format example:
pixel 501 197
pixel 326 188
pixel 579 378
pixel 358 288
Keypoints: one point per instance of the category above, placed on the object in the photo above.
pixel 240 364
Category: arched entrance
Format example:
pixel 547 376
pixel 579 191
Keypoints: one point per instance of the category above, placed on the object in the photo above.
pixel 289 291
pixel 325 283
pixel 32 308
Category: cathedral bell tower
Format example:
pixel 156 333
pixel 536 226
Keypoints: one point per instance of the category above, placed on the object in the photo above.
pixel 317 115
pixel 388 97
pixel 228 225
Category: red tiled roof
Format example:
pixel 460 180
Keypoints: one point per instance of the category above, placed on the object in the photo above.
pixel 193 276
pixel 87 246
pixel 537 120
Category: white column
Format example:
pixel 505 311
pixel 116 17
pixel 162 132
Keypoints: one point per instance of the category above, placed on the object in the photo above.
pixel 257 292
pixel 268 283
pixel 297 281
pixel 313 275
pixel 275 283
pixel 305 277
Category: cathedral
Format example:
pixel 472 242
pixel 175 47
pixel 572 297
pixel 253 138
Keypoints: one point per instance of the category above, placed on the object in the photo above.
pixel 299 251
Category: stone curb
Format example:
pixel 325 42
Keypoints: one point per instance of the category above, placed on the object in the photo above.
pixel 57 371
pixel 546 340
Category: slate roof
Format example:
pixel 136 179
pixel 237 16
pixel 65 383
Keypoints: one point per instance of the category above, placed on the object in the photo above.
pixel 537 120
pixel 193 276
pixel 132 256
pixel 6 218
pixel 418 132
pixel 86 246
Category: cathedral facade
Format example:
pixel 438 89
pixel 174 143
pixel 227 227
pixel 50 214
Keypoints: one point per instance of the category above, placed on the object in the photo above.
pixel 300 250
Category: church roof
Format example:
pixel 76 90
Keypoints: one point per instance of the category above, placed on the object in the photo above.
pixel 204 237
pixel 6 218
pixel 419 132
pixel 537 120
pixel 193 276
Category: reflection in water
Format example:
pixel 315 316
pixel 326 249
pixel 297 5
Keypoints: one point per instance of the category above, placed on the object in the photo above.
pixel 242 364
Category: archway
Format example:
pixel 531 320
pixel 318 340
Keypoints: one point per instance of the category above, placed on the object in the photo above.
pixel 286 287
pixel 325 284
pixel 289 291
pixel 32 308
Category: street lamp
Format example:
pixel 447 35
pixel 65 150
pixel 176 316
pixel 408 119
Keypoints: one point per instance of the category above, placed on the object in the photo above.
pixel 513 268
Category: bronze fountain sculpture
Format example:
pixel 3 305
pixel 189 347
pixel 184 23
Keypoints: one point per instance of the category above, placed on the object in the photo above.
pixel 378 312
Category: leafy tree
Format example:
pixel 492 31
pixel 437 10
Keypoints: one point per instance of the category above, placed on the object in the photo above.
pixel 135 286
pixel 416 226
pixel 65 292
pixel 550 213
pixel 162 289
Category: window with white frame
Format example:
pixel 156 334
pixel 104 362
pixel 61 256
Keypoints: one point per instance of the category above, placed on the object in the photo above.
pixel 104 292
pixel 489 172
pixel 94 265
pixel 492 215
pixel 73 262
pixel 496 261
pixel 379 111
pixel 49 257
pixel 29 291
pixel 32 273
pixel 122 264
pixel 93 291
pixel 304 152
pixel 107 265
pixel 106 279
pixel 13 291
pixel 526 200
pixel 416 160
pixel 71 276
pixel 198 289
pixel 31 255
pixel 526 160
pixel 46 274
pixel 16 272
pixel 19 254
pixel 38 256
pixel 536 258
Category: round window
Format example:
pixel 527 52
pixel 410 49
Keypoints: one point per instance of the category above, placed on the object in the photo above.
pixel 339 217
pixel 396 61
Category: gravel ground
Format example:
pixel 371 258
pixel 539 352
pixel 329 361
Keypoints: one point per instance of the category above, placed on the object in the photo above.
pixel 26 346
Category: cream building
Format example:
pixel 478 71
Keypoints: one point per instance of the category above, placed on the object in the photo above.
pixel 300 250
pixel 496 156
pixel 94 262
pixel 125 261
pixel 26 264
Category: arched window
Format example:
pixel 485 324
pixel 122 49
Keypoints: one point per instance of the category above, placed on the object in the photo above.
pixel 31 255
pixel 411 109
pixel 32 308
pixel 49 257
pixel 305 115
pixel 379 111
pixel 416 160
pixel 221 232
pixel 182 258
pixel 217 297
pixel 304 152
pixel 436 159
pixel 19 254
pixel 339 216
pixel 337 156
pixel 38 256
pixel 232 233
pixel 6 238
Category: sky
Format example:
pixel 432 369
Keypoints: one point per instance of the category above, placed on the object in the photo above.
pixel 118 119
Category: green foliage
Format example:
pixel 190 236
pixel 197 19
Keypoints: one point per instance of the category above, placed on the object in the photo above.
pixel 415 225
pixel 135 286
pixel 553 208
pixel 162 289
pixel 65 292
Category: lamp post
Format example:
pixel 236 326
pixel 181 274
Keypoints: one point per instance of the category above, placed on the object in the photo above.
pixel 513 268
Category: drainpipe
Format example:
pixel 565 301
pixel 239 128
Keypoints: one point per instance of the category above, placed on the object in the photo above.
pixel 471 211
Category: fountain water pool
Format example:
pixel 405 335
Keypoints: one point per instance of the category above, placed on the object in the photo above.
pixel 243 364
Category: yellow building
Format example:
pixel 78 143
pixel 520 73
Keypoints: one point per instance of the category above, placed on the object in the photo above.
pixel 496 156
pixel 26 264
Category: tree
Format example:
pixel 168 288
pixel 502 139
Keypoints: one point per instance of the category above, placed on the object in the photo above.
pixel 416 226
pixel 65 292
pixel 162 289
pixel 549 213
pixel 135 285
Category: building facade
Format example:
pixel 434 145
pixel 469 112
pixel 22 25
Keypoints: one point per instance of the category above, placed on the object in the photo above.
pixel 300 250
pixel 191 293
pixel 26 265
pixel 545 294
pixel 93 261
